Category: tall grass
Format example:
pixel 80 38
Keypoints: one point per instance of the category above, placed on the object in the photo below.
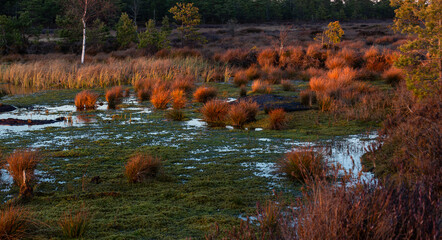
pixel 74 225
pixel 21 166
pixel 141 167
pixel 14 222
pixel 215 112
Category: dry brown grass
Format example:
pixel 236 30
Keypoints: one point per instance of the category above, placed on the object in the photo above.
pixel 114 96
pixel 273 75
pixel 277 119
pixel 303 164
pixel 308 97
pixel 204 94
pixel 237 116
pixel 160 97
pixel 268 58
pixel 393 76
pixel 259 86
pixel 335 62
pixel 14 223
pixel 215 112
pixel 74 225
pixel 185 83
pixel 21 166
pixel 293 57
pixel 178 99
pixel 141 167
pixel 287 85
pixel 253 72
pixel 375 61
pixel 240 78
pixel 238 57
pixel 86 100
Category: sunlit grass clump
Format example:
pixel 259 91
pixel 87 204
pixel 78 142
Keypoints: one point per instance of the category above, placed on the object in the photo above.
pixel 302 164
pixel 14 222
pixel 114 97
pixel 160 98
pixel 141 167
pixel 86 100
pixel 204 94
pixel 74 225
pixel 215 112
pixel 277 119
pixel 243 112
pixel 21 166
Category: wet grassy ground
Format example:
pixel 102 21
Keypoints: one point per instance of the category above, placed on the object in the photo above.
pixel 209 175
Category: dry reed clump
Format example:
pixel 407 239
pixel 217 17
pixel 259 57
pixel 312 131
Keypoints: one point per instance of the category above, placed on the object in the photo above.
pixel 14 222
pixel 240 78
pixel 313 72
pixel 175 115
pixel 253 72
pixel 393 76
pixel 259 86
pixel 141 167
pixel 178 99
pixel 74 225
pixel 273 75
pixel 243 112
pixel 114 96
pixel 335 62
pixel 287 85
pixel 86 100
pixel 375 61
pixel 21 166
pixel 277 119
pixel 303 164
pixel 204 94
pixel 268 58
pixel 293 58
pixel 308 97
pixel 215 112
pixel 144 87
pixel 185 83
pixel 185 52
pixel 316 51
pixel 350 56
pixel 160 97
pixel 238 57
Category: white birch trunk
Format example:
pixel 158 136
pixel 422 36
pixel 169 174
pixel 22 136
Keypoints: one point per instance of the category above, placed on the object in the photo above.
pixel 83 50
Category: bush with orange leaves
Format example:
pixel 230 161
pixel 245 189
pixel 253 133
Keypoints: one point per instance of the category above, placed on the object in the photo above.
pixel 273 74
pixel 204 94
pixel 14 223
pixel 303 164
pixel 240 78
pixel 253 72
pixel 114 97
pixel 21 166
pixel 86 100
pixel 268 57
pixel 215 112
pixel 178 99
pixel 160 97
pixel 335 62
pixel 277 119
pixel 141 167
pixel 259 86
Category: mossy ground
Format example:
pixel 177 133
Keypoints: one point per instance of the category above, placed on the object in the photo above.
pixel 209 175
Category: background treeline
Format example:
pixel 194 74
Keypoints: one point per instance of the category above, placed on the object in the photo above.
pixel 44 12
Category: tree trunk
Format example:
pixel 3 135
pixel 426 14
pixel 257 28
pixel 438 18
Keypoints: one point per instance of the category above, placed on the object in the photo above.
pixel 83 50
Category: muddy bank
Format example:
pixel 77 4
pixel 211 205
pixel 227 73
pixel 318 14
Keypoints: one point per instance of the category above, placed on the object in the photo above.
pixel 269 102
pixel 21 122
pixel 6 108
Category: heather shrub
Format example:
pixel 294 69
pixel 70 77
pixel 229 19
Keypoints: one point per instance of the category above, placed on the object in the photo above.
pixel 252 72
pixel 74 225
pixel 239 57
pixel 204 94
pixel 21 166
pixel 273 75
pixel 141 167
pixel 215 112
pixel 335 62
pixel 14 222
pixel 375 61
pixel 302 164
pixel 237 116
pixel 293 57
pixel 86 100
pixel 114 97
pixel 277 119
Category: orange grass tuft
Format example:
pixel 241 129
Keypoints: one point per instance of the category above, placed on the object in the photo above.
pixel 21 166
pixel 14 222
pixel 141 167
pixel 277 119
pixel 302 165
pixel 86 100
pixel 204 94
pixel 160 97
pixel 215 112
pixel 74 225
pixel 178 99
pixel 114 96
